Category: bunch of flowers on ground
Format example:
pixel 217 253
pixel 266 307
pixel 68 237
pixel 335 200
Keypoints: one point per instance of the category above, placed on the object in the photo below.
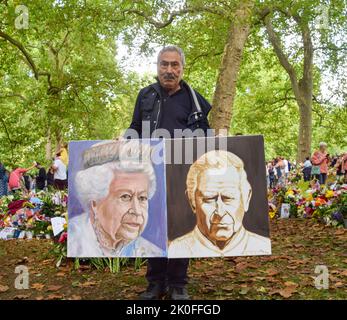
pixel 324 203
pixel 27 216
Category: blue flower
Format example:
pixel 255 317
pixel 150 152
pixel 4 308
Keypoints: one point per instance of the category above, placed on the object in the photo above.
pixel 337 216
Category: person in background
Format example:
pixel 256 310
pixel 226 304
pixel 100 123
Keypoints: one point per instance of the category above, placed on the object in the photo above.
pixel 60 177
pixel 307 169
pixel 286 169
pixel 334 161
pixel 271 172
pixel 64 154
pixel 27 182
pixel 16 176
pixel 341 166
pixel 280 171
pixel 41 177
pixel 320 161
pixel 3 181
pixel 50 177
pixel 267 175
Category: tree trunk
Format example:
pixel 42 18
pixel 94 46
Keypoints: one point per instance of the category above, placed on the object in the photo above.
pixel 224 95
pixel 305 132
pixel 59 140
pixel 49 145
pixel 305 112
pixel 303 88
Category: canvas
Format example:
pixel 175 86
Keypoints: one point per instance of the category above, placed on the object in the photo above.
pixel 117 203
pixel 217 201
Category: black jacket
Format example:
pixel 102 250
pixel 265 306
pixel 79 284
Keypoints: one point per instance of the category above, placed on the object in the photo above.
pixel 41 179
pixel 148 104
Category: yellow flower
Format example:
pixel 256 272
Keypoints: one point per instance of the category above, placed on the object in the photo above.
pixel 272 214
pixel 289 193
pixel 329 194
pixel 309 197
pixel 49 228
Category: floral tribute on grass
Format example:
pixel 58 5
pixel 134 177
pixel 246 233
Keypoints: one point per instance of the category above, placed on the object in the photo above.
pixel 323 203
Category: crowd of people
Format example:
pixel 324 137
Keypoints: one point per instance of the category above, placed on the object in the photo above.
pixel 314 168
pixel 26 180
pixel 277 171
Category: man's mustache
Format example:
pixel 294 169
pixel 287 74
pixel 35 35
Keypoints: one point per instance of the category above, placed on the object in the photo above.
pixel 169 76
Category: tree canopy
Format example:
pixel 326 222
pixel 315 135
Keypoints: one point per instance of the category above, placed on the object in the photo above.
pixel 61 80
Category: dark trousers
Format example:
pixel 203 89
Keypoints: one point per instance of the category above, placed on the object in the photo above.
pixel 60 184
pixel 307 173
pixel 172 272
pixel 322 178
pixel 272 181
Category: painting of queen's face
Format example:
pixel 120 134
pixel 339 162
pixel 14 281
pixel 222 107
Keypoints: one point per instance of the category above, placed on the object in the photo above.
pixel 122 215
pixel 114 205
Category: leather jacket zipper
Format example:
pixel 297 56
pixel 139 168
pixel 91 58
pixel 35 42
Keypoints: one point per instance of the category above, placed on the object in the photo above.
pixel 156 125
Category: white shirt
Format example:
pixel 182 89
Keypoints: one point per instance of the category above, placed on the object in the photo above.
pixel 307 164
pixel 286 167
pixel 195 244
pixel 82 242
pixel 60 172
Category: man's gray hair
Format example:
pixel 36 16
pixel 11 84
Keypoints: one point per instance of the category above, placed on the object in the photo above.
pixel 93 182
pixel 172 49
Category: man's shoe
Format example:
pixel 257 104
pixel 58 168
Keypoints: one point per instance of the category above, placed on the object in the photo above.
pixel 154 291
pixel 177 293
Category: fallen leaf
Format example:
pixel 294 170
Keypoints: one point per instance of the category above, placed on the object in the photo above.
pixel 87 284
pixel 37 286
pixel 339 232
pixel 338 285
pixel 54 288
pixel 292 267
pixel 241 266
pixel 61 274
pixel 344 273
pixel 228 288
pixel 287 291
pixel 271 272
pixel 291 284
pixel 40 298
pixel 3 288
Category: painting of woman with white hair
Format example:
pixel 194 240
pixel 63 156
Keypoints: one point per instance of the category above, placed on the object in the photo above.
pixel 116 200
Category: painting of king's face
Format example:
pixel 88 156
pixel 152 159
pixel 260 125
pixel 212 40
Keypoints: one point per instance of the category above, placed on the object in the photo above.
pixel 123 213
pixel 219 209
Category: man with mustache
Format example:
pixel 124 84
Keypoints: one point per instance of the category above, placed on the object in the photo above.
pixel 169 104
pixel 114 191
pixel 219 194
